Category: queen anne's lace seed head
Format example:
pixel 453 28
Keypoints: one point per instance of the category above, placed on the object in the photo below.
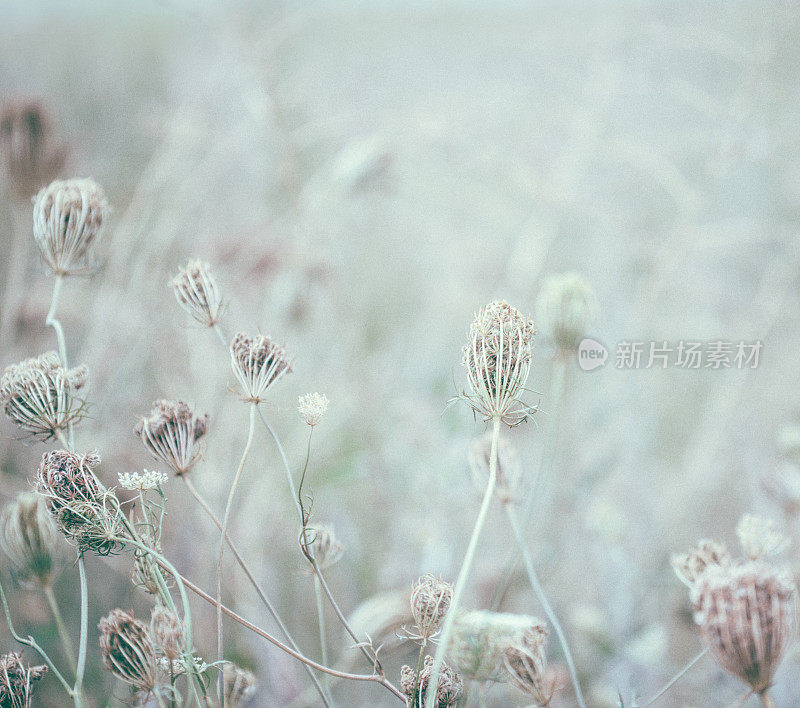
pixel 168 632
pixel 128 650
pixel 257 364
pixel 689 567
pixel 312 407
pixel 41 397
pixel 239 684
pixel 320 541
pixel 196 291
pixel 760 538
pixel 746 615
pixel 68 216
pixel 498 359
pixel 448 692
pixel 17 681
pixel 172 434
pixel 526 665
pixel 142 481
pixel 565 307
pixel 430 600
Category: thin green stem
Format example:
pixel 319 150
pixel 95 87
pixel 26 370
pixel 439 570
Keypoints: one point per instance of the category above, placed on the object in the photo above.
pixel 63 635
pixel 543 601
pixel 84 631
pixel 286 467
pixel 466 567
pixel 223 534
pixel 323 640
pixel 677 677
pixel 419 666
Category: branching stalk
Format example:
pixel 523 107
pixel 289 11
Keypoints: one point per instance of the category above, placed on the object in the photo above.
pixel 61 627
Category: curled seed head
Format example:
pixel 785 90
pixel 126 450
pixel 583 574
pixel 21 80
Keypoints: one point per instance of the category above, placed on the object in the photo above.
pixel 239 684
pixel 760 538
pixel 320 541
pixel 479 455
pixel 67 218
pixel 430 601
pixel 41 397
pixel 172 433
pixel 498 359
pixel 196 291
pixel 565 308
pixel 448 692
pixel 128 650
pixel 17 681
pixel 526 666
pixel 746 615
pixel 168 632
pixel 312 407
pixel 690 566
pixel 27 149
pixel 257 364
pixel 30 539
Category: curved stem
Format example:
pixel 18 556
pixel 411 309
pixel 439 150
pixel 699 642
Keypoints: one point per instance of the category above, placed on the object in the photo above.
pixel 223 534
pixel 53 322
pixel 677 677
pixel 286 467
pixel 84 636
pixel 466 566
pixel 61 627
pixel 548 610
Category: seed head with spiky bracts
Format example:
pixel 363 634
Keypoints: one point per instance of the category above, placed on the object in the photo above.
pixel 565 307
pixel 17 681
pixel 68 216
pixel 238 683
pixel 196 291
pixel 415 688
pixel 430 600
pixel 320 541
pixel 257 364
pixel 128 650
pixel 690 566
pixel 498 360
pixel 41 397
pixel 172 434
pixel 526 665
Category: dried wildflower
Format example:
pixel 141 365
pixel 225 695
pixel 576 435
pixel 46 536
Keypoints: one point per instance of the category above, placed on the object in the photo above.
pixel 448 690
pixel 480 639
pixel 498 359
pixel 565 307
pixel 239 684
pixel 67 218
pixel 759 537
pixel 30 539
pixel 257 364
pixel 144 481
pixel 30 157
pixel 171 433
pixel 690 566
pixel 39 395
pixel 746 615
pixel 479 455
pixel 128 650
pixel 526 665
pixel 17 681
pixel 430 600
pixel 312 407
pixel 320 541
pixel 168 632
pixel 146 573
pixel 196 291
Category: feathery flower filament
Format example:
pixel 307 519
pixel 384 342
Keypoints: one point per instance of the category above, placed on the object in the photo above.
pixel 172 433
pixel 196 292
pixel 257 363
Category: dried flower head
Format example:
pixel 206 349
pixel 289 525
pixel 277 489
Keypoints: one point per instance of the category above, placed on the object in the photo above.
pixel 30 539
pixel 257 364
pixel 128 650
pixel 239 684
pixel 30 157
pixel 690 566
pixel 168 632
pixel 430 600
pixel 565 308
pixel 526 666
pixel 312 407
pixel 319 540
pixel 40 395
pixel 498 359
pixel 479 455
pixel 142 481
pixel 760 538
pixel 17 681
pixel 67 218
pixel 172 433
pixel 196 291
pixel 480 639
pixel 448 691
pixel 746 615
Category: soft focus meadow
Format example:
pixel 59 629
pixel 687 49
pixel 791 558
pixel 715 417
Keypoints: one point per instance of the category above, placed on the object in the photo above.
pixel 363 178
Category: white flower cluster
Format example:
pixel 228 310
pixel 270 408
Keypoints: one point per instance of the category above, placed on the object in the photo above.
pixel 312 407
pixel 142 482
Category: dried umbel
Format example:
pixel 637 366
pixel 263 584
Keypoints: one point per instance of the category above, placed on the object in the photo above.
pixel 41 397
pixel 498 359
pixel 479 455
pixel 128 650
pixel 67 218
pixel 430 600
pixel 172 433
pixel 690 566
pixel 760 538
pixel 565 308
pixel 448 692
pixel 312 407
pixel 168 632
pixel 238 683
pixel 196 291
pixel 17 681
pixel 526 666
pixel 257 364
pixel 30 157
pixel 746 615
pixel 30 539
pixel 319 540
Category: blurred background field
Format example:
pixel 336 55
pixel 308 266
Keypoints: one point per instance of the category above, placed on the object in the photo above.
pixel 362 178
